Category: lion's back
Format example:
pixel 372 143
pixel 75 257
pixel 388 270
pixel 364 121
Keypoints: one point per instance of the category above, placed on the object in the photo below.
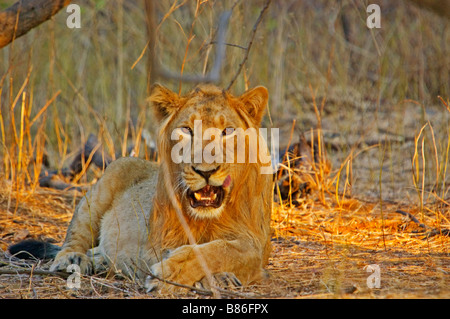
pixel 127 171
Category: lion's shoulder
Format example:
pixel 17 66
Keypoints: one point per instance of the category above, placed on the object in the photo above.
pixel 124 164
pixel 125 172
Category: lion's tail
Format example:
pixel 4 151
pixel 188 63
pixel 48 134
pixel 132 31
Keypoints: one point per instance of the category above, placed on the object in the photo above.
pixel 29 249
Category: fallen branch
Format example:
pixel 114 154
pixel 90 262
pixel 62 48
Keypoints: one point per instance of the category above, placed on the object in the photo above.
pixel 31 272
pixel 433 231
pixel 436 231
pixel 89 153
pixel 412 218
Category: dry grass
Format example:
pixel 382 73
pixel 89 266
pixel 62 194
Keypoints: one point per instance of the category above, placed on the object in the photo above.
pixel 371 98
pixel 318 252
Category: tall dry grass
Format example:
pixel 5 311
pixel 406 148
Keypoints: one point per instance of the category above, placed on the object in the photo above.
pixel 370 94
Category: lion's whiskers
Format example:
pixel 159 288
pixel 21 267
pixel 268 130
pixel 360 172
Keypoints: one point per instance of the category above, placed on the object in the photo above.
pixel 181 187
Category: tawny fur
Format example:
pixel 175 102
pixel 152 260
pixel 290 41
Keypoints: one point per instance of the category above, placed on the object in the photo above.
pixel 131 217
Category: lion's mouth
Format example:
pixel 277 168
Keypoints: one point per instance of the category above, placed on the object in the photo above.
pixel 208 196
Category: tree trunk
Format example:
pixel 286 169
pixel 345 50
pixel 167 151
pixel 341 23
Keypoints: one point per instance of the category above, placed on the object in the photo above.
pixel 24 15
pixel 152 72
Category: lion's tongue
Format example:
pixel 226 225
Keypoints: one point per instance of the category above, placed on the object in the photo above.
pixel 227 181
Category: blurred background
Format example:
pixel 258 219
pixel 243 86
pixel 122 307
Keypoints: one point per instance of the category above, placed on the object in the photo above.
pixel 376 96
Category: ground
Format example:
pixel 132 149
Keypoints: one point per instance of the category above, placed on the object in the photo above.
pixel 318 252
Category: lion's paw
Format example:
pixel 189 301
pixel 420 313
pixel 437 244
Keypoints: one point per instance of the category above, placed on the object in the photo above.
pixel 158 273
pixel 151 284
pixel 64 260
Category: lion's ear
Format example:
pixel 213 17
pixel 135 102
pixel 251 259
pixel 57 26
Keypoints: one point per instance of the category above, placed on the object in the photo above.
pixel 255 102
pixel 164 101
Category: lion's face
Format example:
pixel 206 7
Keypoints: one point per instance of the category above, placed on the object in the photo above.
pixel 200 143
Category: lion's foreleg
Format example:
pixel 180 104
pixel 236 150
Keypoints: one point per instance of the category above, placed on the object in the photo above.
pixel 83 231
pixel 190 264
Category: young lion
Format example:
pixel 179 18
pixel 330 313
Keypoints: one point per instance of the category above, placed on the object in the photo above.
pixel 186 221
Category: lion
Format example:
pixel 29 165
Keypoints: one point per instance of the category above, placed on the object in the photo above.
pixel 188 222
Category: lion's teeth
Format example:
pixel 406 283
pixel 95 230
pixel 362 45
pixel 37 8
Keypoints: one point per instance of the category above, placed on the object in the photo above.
pixel 199 197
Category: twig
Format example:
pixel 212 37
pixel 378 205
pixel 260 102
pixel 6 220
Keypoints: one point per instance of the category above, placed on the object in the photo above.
pixel 247 51
pixel 433 231
pixel 231 45
pixel 286 155
pixel 445 103
pixel 34 272
pixel 411 217
pixel 201 291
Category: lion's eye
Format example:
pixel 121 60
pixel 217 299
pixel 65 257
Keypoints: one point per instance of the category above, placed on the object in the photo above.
pixel 228 131
pixel 186 130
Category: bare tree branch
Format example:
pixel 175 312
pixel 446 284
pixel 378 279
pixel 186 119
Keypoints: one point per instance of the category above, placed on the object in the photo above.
pixel 156 70
pixel 249 46
pixel 214 74
pixel 25 15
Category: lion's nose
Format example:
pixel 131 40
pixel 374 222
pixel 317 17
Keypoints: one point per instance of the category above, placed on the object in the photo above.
pixel 205 174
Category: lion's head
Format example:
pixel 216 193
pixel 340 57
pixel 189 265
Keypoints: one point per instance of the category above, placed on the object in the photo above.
pixel 207 146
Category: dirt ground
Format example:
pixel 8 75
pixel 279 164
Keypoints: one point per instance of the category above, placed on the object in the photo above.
pixel 318 252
